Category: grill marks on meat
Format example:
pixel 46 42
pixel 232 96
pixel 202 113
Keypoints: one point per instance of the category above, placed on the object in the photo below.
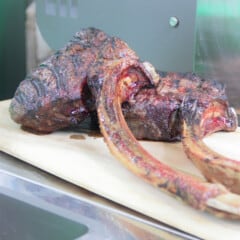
pixel 155 112
pixel 99 73
pixel 56 94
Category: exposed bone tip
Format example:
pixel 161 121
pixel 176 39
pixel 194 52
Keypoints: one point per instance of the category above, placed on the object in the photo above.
pixel 154 76
pixel 233 113
pixel 229 203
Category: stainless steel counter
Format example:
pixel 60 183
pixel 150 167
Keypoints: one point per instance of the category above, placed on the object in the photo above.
pixel 34 203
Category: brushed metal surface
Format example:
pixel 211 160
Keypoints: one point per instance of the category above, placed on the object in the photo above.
pixel 39 194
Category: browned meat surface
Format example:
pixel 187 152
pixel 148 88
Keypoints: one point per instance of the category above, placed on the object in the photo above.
pixel 155 112
pixel 56 95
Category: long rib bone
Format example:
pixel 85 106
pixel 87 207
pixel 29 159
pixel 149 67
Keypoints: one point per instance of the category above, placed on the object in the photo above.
pixel 202 195
pixel 214 166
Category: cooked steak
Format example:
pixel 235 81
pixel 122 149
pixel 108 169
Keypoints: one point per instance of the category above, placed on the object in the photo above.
pixel 96 74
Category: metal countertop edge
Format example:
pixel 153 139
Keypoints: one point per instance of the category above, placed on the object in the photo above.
pixel 41 184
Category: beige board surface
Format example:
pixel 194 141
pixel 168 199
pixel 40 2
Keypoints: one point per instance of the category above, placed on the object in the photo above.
pixel 88 163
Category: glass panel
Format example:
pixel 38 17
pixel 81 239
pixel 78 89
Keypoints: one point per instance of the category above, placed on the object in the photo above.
pixel 218 45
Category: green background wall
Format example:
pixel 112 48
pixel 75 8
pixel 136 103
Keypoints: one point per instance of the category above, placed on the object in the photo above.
pixel 12 45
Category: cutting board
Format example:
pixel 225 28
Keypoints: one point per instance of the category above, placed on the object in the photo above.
pixel 86 161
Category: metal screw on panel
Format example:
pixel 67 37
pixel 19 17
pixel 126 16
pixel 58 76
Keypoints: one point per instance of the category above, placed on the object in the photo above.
pixel 173 21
